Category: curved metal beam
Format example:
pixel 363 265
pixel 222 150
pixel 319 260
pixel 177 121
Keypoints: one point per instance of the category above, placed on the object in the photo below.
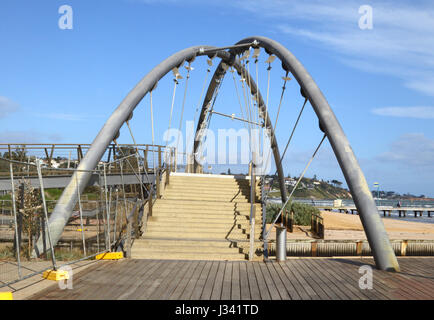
pixel 218 75
pixel 383 253
pixel 69 197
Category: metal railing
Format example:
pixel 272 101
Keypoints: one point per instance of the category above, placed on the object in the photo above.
pixel 106 217
pixel 317 225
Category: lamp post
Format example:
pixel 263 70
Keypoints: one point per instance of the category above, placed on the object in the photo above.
pixel 377 185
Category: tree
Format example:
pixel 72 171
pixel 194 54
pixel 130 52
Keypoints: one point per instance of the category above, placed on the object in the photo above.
pixel 336 183
pixel 28 201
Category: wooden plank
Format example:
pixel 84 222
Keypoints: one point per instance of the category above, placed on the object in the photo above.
pixel 274 293
pixel 123 280
pixel 236 290
pixel 292 291
pixel 209 284
pixel 218 284
pixel 92 282
pixel 345 290
pixel 302 293
pixel 227 282
pixel 183 283
pixel 293 268
pixel 170 283
pixel 198 288
pixel 80 280
pixel 410 287
pixel 318 277
pixel 253 284
pixel 244 282
pixel 139 279
pixel 343 278
pixel 349 270
pixel 186 294
pixel 105 289
pixel 277 281
pixel 262 285
pixel 146 291
pixel 381 287
pixel 301 278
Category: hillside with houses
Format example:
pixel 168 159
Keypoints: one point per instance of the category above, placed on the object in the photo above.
pixel 310 188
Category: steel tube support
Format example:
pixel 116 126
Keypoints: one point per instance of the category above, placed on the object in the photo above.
pixel 280 243
pixel 69 197
pixel 382 250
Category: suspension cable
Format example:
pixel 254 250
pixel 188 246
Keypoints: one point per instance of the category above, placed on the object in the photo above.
pixel 200 98
pixel 107 210
pixel 152 126
pixel 281 98
pixel 289 139
pixel 189 68
pixel 137 158
pixel 293 130
pixel 81 215
pixel 175 80
pixel 238 95
pixel 296 185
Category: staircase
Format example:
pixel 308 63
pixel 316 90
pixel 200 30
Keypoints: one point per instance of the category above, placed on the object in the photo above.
pixel 201 217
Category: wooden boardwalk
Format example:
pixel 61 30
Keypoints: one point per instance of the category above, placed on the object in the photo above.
pixel 302 278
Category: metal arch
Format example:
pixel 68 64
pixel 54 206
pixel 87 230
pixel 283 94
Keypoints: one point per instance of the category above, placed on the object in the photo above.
pixel 383 253
pixel 382 250
pixel 219 74
pixel 69 197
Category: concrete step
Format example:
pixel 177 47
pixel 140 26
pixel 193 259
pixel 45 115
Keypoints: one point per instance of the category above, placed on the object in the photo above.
pixel 235 235
pixel 193 215
pixel 188 249
pixel 189 256
pixel 147 241
pixel 205 207
pixel 204 244
pixel 202 198
pixel 209 204
pixel 209 180
pixel 200 228
pixel 204 191
pixel 242 220
pixel 216 183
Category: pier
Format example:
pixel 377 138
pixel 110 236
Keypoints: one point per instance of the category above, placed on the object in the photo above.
pixel 386 210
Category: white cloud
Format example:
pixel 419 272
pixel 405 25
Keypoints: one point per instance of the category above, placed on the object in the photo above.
pixel 28 136
pixel 7 107
pixel 401 42
pixel 406 112
pixel 412 150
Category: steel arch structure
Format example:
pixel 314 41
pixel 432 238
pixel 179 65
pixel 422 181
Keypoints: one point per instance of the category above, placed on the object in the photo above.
pixel 376 234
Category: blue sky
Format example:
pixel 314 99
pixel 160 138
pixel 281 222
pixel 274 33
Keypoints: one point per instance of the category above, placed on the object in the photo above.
pixel 62 85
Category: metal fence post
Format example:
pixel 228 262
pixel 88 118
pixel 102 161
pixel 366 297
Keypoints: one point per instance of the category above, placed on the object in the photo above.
pixel 41 183
pixel 252 211
pixel 15 219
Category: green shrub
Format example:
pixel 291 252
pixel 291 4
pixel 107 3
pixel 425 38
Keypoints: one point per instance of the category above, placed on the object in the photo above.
pixel 302 212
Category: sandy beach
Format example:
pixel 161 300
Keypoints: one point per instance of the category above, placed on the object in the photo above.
pixel 348 226
pixel 339 226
